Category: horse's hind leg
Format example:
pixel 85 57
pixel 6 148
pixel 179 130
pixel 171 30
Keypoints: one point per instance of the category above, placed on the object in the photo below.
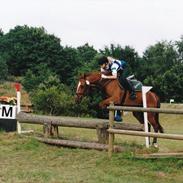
pixel 153 121
pixel 140 117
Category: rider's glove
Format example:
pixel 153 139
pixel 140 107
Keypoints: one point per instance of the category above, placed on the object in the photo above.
pixel 103 76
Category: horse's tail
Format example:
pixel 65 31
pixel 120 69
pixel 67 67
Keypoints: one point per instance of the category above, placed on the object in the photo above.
pixel 161 130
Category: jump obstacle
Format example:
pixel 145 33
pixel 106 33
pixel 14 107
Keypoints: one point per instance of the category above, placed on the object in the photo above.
pixel 113 131
pixel 105 129
pixel 51 124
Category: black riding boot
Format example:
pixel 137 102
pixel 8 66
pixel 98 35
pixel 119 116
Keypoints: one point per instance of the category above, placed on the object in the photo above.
pixel 127 85
pixel 132 91
pixel 133 95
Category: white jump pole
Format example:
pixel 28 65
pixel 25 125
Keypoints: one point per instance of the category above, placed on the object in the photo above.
pixel 17 87
pixel 19 128
pixel 145 89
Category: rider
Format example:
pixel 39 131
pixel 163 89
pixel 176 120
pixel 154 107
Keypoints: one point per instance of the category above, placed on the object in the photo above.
pixel 117 67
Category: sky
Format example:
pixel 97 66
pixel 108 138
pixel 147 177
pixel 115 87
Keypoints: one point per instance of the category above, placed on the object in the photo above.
pixel 137 23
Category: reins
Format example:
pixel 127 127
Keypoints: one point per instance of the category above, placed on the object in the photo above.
pixel 104 82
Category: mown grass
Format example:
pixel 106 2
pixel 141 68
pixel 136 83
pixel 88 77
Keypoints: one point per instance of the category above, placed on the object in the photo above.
pixel 24 159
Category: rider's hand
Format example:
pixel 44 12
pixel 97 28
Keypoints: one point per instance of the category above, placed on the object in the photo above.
pixel 103 76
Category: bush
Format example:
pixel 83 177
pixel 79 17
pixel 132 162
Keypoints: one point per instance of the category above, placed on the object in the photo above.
pixel 33 79
pixel 57 101
pixel 52 101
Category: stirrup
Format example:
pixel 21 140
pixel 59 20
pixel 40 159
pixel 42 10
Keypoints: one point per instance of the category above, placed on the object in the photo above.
pixel 133 96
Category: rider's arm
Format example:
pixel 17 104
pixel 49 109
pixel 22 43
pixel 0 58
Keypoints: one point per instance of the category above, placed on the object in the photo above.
pixel 102 70
pixel 114 76
pixel 114 69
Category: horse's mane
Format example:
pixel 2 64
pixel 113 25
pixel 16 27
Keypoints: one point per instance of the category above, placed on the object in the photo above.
pixel 83 76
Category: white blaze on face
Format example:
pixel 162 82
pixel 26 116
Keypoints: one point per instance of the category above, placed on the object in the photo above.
pixel 79 84
pixel 87 82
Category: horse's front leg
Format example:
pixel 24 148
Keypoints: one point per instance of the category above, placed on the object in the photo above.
pixel 106 102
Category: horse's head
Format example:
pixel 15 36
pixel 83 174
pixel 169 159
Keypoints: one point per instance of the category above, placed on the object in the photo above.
pixel 84 84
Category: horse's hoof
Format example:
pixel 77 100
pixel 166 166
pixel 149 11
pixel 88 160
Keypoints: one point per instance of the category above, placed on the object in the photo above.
pixel 155 145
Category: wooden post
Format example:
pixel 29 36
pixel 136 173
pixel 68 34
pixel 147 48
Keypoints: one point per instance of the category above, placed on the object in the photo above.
pixel 102 134
pixel 45 130
pixel 51 130
pixel 111 135
pixel 55 131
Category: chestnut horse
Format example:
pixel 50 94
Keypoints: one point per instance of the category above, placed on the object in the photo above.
pixel 114 93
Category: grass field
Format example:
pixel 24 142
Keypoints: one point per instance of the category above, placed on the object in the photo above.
pixel 25 160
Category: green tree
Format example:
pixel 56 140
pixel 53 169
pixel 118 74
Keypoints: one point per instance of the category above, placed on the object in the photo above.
pixel 66 65
pixel 86 53
pixel 87 61
pixel 179 46
pixel 1 33
pixel 26 47
pixel 33 79
pixel 3 69
pixel 158 59
pixel 131 56
pixel 112 50
pixel 172 83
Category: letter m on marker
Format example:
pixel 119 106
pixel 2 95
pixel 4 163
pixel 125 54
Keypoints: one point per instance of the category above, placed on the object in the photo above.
pixel 7 112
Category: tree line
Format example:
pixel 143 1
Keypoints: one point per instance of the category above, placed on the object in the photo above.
pixel 49 71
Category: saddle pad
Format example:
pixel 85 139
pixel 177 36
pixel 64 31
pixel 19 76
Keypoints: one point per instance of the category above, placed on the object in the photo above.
pixel 137 84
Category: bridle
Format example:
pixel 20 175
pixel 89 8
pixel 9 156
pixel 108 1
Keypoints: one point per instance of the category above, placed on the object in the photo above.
pixel 85 90
pixel 101 83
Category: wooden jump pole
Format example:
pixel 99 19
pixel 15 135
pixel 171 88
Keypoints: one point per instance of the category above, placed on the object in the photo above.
pixel 141 109
pixel 145 134
pixel 79 144
pixel 76 122
pixel 52 122
pixel 18 88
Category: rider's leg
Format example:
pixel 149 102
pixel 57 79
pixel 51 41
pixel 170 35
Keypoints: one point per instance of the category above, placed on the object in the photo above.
pixel 132 91
pixel 127 85
pixel 118 116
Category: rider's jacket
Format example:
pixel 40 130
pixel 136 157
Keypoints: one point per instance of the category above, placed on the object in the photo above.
pixel 115 66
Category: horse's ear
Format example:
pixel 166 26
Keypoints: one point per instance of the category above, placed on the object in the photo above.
pixel 83 76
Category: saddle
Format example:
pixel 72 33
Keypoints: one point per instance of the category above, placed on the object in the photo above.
pixel 134 82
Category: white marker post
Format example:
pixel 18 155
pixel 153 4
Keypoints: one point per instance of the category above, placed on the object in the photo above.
pixel 17 87
pixel 145 89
